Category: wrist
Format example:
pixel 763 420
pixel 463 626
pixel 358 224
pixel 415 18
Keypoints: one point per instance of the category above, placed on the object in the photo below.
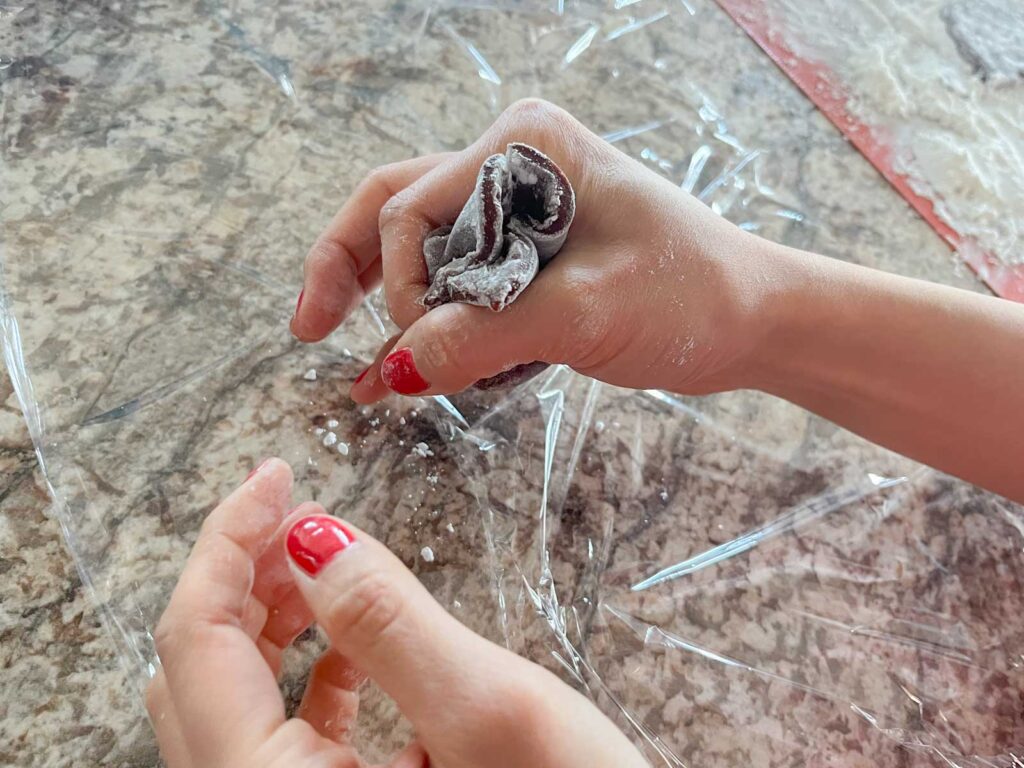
pixel 778 292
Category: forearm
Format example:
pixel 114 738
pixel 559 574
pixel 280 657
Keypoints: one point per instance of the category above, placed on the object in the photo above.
pixel 933 372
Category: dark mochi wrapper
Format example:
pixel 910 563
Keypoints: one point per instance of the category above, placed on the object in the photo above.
pixel 516 220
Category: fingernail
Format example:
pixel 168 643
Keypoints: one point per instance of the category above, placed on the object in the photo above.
pixel 399 372
pixel 298 304
pixel 256 469
pixel 362 375
pixel 314 541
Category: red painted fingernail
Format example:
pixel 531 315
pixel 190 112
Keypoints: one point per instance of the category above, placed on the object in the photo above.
pixel 362 375
pixel 298 304
pixel 399 372
pixel 256 469
pixel 314 541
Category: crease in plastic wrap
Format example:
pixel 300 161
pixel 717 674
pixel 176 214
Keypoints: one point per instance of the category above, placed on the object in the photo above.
pixel 732 580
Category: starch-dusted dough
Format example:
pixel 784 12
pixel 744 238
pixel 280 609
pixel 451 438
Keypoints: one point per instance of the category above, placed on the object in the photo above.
pixel 515 221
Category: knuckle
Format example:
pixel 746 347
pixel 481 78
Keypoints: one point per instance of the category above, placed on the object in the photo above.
pixel 401 301
pixel 396 208
pixel 379 179
pixel 537 114
pixel 367 611
pixel 329 261
pixel 322 255
pixel 438 351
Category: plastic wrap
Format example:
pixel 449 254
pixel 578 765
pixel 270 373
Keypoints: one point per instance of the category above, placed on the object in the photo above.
pixel 731 579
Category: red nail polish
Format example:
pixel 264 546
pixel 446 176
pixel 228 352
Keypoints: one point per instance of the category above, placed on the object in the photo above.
pixel 256 469
pixel 362 375
pixel 314 541
pixel 298 304
pixel 399 372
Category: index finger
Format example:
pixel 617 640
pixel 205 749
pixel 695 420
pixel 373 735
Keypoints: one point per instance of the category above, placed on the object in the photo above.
pixel 344 263
pixel 221 688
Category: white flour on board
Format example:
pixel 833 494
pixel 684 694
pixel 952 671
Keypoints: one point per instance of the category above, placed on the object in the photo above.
pixel 945 79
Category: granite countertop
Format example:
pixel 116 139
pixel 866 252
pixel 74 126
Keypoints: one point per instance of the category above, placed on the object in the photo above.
pixel 165 168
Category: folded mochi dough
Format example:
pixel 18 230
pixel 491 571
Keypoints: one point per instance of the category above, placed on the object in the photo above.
pixel 515 221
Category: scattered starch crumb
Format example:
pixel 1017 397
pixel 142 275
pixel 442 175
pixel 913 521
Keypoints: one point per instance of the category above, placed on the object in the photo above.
pixel 599 427
pixel 664 495
pixel 332 423
pixel 422 450
pixel 319 431
pixel 402 420
pixel 450 528
pixel 456 604
pixel 343 449
pixel 374 422
pixel 330 439
pixel 427 554
pixel 433 478
pixel 310 375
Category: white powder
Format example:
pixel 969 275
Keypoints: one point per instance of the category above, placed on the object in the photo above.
pixel 427 554
pixel 422 450
pixel 332 423
pixel 330 439
pixel 937 77
pixel 343 449
pixel 310 375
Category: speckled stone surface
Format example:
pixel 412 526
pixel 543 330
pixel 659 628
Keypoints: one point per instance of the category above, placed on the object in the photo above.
pixel 165 167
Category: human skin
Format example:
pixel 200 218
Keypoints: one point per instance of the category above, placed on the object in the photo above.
pixel 652 290
pixel 260 574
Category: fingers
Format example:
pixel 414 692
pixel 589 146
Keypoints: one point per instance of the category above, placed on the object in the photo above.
pixel 342 266
pixel 378 615
pixel 470 701
pixel 413 756
pixel 558 319
pixel 369 387
pixel 437 197
pixel 225 697
pixel 173 747
pixel 331 700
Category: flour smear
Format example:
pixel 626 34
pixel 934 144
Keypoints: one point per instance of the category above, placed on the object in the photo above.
pixel 945 81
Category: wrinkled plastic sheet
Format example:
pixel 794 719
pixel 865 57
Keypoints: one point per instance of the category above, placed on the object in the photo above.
pixel 930 91
pixel 732 580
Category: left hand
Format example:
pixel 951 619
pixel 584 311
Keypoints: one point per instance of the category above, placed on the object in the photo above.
pixel 244 596
pixel 215 701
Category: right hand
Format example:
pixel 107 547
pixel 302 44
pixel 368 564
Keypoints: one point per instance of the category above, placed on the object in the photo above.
pixel 651 290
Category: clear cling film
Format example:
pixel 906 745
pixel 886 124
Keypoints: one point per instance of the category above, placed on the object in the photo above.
pixel 731 579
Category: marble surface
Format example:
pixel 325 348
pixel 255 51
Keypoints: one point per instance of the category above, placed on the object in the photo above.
pixel 165 167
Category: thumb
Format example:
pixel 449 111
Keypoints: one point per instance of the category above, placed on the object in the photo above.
pixel 455 345
pixel 377 614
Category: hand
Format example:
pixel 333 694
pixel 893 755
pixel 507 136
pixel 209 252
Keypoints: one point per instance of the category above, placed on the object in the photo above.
pixel 258 576
pixel 651 290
